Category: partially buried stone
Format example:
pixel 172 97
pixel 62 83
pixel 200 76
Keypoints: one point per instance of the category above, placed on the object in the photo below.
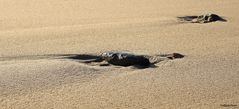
pixel 125 59
pixel 205 18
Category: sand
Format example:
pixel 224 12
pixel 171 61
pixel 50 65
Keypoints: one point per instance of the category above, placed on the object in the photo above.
pixel 206 78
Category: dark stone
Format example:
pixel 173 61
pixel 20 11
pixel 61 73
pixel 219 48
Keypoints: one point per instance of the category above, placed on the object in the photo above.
pixel 125 59
pixel 175 56
pixel 205 18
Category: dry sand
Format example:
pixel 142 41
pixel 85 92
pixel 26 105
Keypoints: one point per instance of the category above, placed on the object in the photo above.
pixel 207 78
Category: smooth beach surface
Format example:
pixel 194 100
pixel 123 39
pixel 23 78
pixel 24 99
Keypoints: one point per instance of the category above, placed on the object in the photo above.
pixel 33 35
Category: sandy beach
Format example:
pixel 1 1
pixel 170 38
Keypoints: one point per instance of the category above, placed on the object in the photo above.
pixel 33 34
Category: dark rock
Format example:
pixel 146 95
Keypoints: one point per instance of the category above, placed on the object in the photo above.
pixel 205 18
pixel 175 56
pixel 125 59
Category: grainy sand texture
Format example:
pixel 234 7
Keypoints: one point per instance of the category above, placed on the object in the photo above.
pixel 35 34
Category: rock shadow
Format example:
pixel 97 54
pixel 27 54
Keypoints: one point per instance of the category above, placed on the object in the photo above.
pixel 85 58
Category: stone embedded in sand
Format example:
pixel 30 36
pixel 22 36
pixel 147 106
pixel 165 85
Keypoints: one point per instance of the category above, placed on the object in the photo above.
pixel 125 59
pixel 205 18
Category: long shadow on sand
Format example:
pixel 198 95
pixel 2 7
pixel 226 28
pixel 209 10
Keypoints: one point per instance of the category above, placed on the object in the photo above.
pixel 132 60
